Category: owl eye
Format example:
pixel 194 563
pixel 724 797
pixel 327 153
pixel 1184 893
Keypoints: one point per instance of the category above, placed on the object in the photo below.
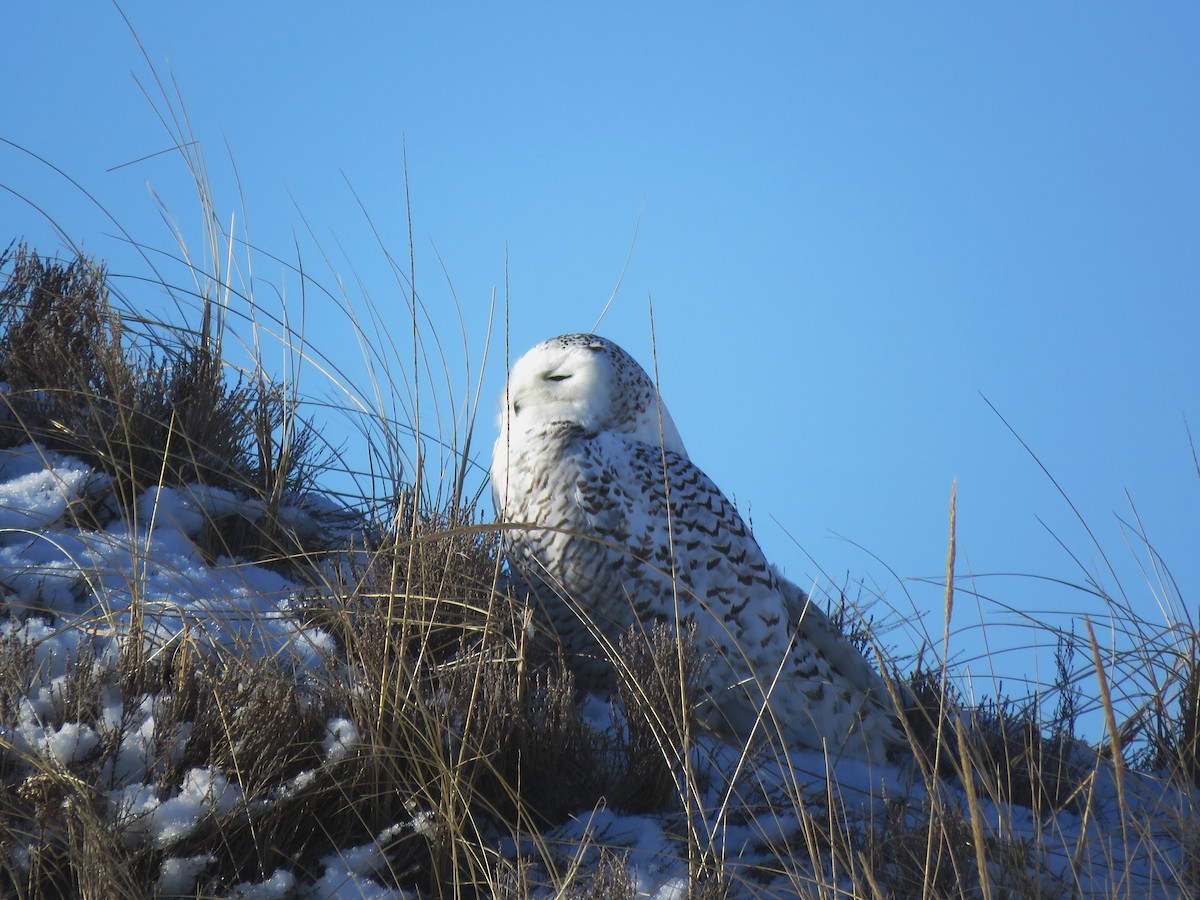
pixel 557 377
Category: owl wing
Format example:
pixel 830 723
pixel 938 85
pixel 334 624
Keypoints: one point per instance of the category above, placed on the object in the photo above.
pixel 718 558
pixel 722 579
pixel 763 627
pixel 815 628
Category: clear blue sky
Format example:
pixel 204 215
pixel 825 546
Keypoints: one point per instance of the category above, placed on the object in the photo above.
pixel 853 223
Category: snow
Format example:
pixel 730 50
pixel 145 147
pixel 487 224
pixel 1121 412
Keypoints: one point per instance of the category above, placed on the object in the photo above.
pixel 98 575
pixel 340 737
pixel 178 874
pixel 69 595
pixel 277 887
pixel 37 487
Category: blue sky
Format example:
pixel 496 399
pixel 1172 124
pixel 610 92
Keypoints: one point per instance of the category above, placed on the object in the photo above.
pixel 854 224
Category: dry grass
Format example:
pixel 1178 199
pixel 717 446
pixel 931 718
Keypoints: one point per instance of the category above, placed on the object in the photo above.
pixel 80 382
pixel 443 731
pixel 467 730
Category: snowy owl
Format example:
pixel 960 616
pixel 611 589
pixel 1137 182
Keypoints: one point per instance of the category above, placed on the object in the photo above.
pixel 613 524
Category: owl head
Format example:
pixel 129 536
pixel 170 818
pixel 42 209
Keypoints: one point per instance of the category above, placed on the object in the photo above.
pixel 588 381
